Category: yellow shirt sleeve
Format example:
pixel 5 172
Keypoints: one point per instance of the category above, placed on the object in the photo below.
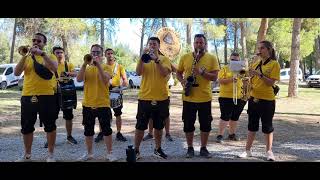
pixel 275 73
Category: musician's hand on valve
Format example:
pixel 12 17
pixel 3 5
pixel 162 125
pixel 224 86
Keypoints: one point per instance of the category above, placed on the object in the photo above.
pixel 183 83
pixel 234 79
pixel 253 73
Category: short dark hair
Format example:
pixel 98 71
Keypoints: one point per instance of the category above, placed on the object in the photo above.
pixel 44 37
pixel 154 39
pixel 97 45
pixel 108 49
pixel 201 36
pixel 235 54
pixel 57 48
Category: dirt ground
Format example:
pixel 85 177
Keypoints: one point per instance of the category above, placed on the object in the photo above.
pixel 291 130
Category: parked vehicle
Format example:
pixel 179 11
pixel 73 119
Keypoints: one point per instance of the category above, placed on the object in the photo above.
pixel 135 80
pixel 7 77
pixel 285 75
pixel 314 80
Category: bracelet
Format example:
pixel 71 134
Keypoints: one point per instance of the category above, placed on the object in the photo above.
pixel 261 75
pixel 43 54
pixel 202 73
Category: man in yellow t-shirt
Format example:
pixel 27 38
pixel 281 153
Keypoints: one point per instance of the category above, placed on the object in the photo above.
pixel 199 98
pixel 96 102
pixel 119 78
pixel 37 95
pixel 153 95
pixel 61 72
pixel 265 72
pixel 230 112
pixel 167 121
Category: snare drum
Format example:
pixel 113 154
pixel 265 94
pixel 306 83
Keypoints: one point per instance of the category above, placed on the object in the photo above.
pixel 115 100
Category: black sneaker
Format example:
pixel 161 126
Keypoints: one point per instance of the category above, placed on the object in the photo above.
pixel 71 140
pixel 138 156
pixel 119 137
pixel 219 139
pixel 45 145
pixel 99 137
pixel 147 137
pixel 190 152
pixel 204 152
pixel 168 137
pixel 233 137
pixel 160 153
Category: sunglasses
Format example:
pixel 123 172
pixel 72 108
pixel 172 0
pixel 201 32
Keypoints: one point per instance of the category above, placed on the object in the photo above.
pixel 96 52
pixel 36 40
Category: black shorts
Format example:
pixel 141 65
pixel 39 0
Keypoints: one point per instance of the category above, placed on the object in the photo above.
pixel 117 111
pixel 189 113
pixel 230 111
pixel 67 113
pixel 104 116
pixel 263 109
pixel 45 106
pixel 158 113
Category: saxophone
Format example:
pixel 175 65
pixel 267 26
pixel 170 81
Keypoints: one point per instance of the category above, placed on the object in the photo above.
pixel 246 79
pixel 191 80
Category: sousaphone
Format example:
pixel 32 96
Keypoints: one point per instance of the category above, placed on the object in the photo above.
pixel 169 42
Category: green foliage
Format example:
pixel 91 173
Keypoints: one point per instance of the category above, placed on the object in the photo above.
pixel 4 48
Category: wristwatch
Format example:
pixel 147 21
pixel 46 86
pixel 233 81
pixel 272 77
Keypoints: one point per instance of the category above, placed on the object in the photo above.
pixel 43 54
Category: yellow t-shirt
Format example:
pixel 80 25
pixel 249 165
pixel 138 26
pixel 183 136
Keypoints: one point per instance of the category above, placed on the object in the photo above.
pixel 226 90
pixel 202 93
pixel 153 84
pixel 61 68
pixel 34 84
pixel 260 89
pixel 96 93
pixel 116 77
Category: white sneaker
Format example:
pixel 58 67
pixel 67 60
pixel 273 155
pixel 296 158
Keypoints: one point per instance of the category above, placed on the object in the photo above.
pixel 25 158
pixel 110 157
pixel 245 154
pixel 270 156
pixel 51 158
pixel 86 157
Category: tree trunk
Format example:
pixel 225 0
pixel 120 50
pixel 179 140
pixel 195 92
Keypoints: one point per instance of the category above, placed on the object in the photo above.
pixel 225 39
pixel 142 34
pixel 13 39
pixel 243 40
pixel 317 53
pixel 65 47
pixel 216 49
pixel 262 32
pixel 102 32
pixel 235 38
pixel 295 56
pixel 164 22
pixel 189 28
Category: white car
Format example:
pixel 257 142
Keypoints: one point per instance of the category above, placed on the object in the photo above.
pixel 7 77
pixel 79 85
pixel 135 80
pixel 314 80
pixel 285 75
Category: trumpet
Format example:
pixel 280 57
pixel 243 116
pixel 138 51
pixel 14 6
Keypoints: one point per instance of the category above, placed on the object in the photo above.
pixel 239 69
pixel 24 50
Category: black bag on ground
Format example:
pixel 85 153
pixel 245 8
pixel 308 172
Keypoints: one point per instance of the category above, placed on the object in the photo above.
pixel 41 70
